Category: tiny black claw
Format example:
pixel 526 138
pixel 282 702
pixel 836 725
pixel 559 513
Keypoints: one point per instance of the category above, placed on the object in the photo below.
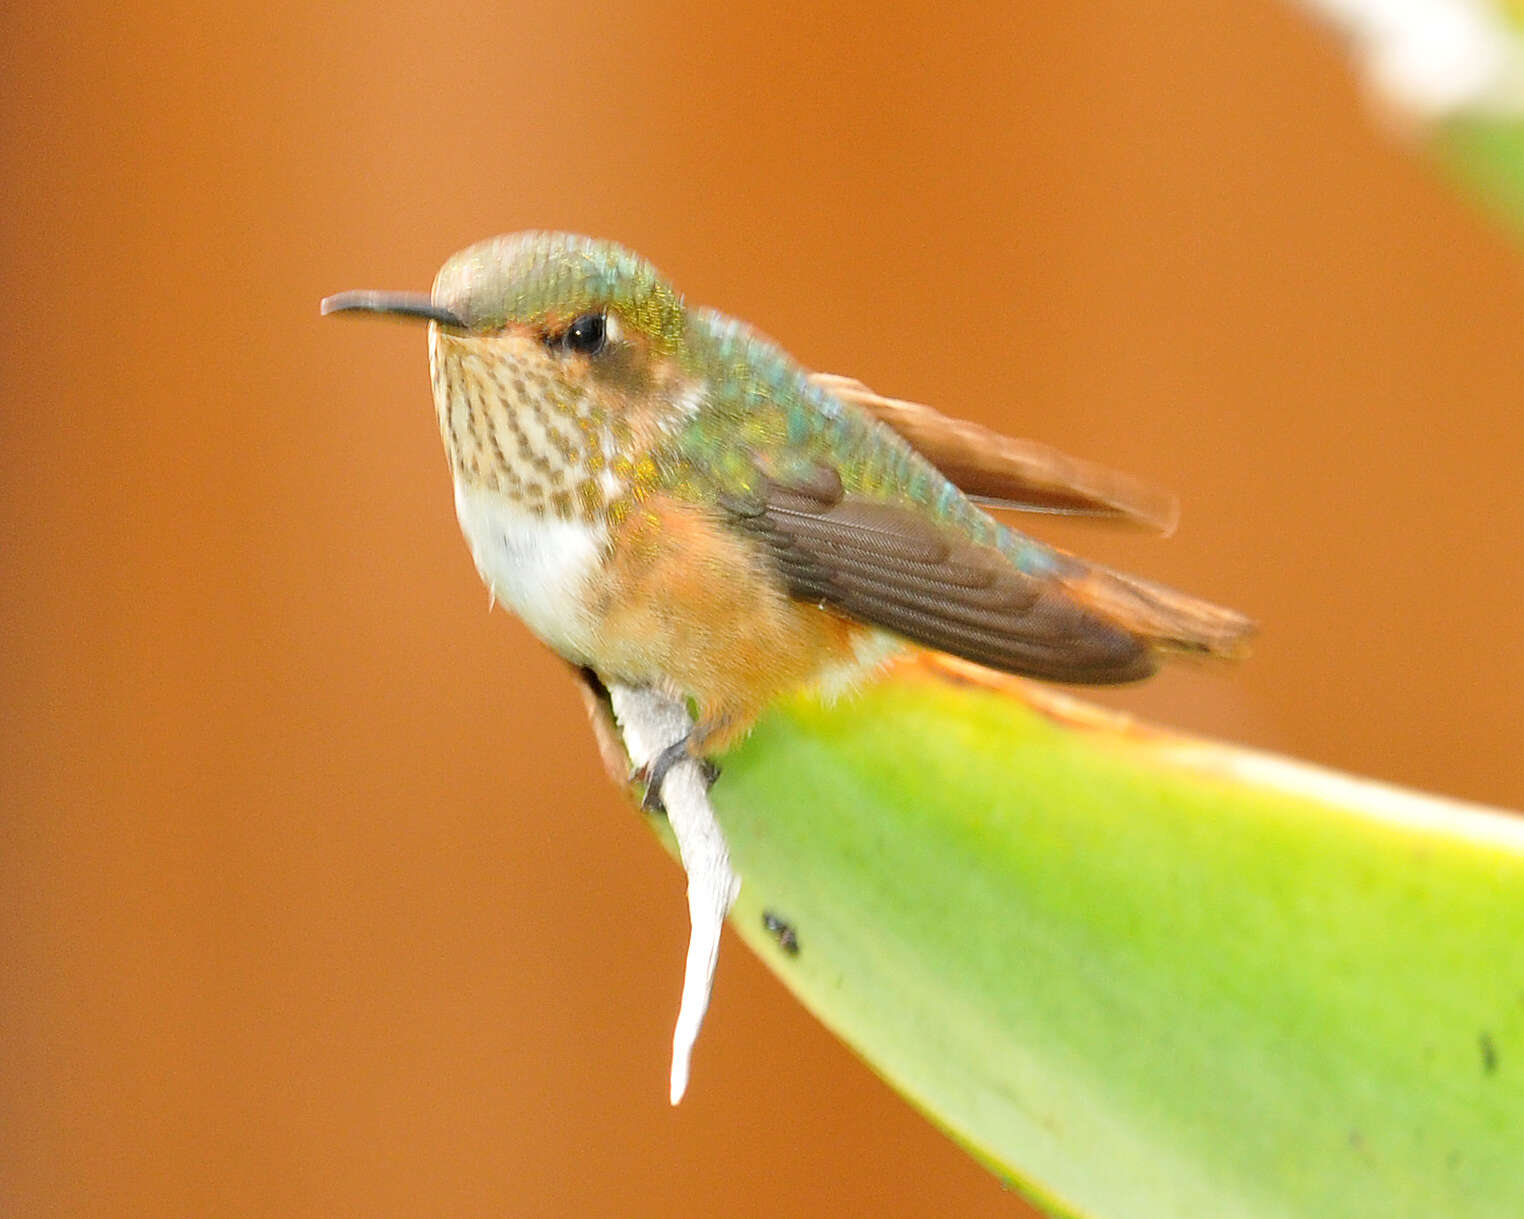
pixel 656 772
pixel 651 802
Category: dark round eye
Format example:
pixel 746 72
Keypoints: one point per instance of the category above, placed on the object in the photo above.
pixel 586 335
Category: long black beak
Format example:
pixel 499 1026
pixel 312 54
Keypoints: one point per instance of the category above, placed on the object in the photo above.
pixel 396 304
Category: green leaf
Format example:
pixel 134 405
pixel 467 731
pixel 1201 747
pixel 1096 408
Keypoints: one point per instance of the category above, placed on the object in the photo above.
pixel 1141 975
pixel 1487 156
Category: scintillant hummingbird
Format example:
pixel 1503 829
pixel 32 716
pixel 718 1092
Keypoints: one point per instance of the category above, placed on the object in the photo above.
pixel 669 500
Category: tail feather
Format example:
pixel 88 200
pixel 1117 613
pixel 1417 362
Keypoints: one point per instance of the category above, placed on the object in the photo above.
pixel 1168 619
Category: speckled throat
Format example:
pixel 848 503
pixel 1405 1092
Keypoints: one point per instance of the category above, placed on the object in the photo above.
pixel 510 427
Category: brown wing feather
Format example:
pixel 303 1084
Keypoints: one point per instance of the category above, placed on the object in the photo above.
pixel 1007 472
pixel 893 568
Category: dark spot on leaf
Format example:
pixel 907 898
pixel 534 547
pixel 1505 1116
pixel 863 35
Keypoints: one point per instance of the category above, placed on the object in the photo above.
pixel 782 931
pixel 1489 1054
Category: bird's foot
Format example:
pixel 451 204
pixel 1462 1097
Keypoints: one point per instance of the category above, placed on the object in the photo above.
pixel 655 771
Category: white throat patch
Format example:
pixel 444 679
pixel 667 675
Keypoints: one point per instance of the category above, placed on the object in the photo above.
pixel 539 566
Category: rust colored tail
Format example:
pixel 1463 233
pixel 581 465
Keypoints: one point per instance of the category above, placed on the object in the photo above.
pixel 1168 619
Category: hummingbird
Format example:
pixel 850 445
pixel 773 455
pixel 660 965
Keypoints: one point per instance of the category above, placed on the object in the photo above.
pixel 669 500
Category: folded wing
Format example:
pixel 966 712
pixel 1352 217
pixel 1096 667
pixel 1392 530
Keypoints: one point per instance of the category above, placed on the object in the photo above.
pixel 1006 472
pixel 894 568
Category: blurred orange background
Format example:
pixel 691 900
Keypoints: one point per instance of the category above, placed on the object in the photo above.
pixel 313 898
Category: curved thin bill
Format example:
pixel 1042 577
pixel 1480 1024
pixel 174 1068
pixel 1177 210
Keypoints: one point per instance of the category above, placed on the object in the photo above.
pixel 391 304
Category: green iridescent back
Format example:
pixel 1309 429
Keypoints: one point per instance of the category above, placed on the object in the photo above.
pixel 764 415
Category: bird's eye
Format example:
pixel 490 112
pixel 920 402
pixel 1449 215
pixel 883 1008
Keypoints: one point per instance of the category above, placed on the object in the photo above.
pixel 586 335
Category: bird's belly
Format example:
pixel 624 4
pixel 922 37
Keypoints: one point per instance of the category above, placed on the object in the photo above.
pixel 541 567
